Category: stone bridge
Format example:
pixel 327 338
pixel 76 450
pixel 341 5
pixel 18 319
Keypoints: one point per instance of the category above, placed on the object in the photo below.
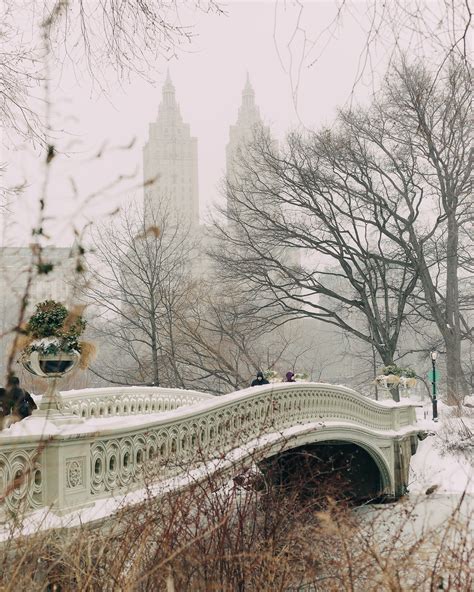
pixel 116 439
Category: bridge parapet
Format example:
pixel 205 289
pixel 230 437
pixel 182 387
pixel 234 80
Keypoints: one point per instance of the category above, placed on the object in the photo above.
pixel 136 400
pixel 73 466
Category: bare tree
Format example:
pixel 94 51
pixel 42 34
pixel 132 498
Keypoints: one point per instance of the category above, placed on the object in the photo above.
pixel 128 35
pixel 350 275
pixel 139 282
pixel 419 132
pixel 106 35
pixel 225 342
pixel 434 30
pixel 157 322
pixel 376 205
pixel 19 73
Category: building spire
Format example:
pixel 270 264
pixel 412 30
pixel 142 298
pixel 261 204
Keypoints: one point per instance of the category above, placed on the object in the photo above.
pixel 248 94
pixel 242 132
pixel 169 99
pixel 248 111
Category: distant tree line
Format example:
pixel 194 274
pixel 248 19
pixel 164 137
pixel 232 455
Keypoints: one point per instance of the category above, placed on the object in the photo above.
pixel 158 320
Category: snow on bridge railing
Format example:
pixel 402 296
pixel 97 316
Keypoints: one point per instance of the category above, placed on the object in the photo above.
pixel 72 466
pixel 134 400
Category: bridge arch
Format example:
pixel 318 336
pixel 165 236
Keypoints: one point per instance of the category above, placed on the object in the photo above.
pixel 341 436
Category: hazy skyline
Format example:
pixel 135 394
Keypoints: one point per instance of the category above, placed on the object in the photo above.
pixel 272 41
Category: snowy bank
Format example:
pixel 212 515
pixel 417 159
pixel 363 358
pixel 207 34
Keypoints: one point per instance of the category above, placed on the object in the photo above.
pixel 444 460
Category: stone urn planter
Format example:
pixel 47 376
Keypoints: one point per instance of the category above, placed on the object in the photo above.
pixel 395 381
pixel 52 348
pixel 52 367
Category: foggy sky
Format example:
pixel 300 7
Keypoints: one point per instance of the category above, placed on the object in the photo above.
pixel 300 72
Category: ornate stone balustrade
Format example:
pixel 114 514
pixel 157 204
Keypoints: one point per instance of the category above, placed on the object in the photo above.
pixel 114 401
pixel 21 479
pixel 72 466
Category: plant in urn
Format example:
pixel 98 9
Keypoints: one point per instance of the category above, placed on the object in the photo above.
pixel 394 378
pixel 53 349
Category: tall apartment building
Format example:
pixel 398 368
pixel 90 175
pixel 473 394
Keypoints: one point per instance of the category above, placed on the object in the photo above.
pixel 170 163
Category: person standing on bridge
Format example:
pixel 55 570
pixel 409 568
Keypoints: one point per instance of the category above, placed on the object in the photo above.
pixel 259 380
pixel 290 377
pixel 5 405
pixel 17 402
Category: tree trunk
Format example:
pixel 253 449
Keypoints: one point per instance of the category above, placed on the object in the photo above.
pixel 457 386
pixel 387 358
pixel 395 392
pixel 447 317
pixel 154 356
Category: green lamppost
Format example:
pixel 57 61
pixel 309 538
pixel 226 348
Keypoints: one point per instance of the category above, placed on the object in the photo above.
pixel 434 355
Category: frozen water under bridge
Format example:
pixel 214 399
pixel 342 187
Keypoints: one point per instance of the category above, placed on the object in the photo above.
pixel 97 453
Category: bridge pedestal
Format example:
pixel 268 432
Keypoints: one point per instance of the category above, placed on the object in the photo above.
pixel 403 450
pixel 66 476
pixel 52 406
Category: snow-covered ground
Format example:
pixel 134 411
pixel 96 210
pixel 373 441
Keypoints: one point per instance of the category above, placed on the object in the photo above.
pixel 441 485
pixel 444 460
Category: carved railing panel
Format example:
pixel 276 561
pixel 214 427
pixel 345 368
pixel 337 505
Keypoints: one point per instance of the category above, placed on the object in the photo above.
pixel 20 480
pixel 113 402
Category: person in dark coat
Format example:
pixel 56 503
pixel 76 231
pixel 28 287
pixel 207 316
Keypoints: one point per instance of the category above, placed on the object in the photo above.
pixel 20 402
pixel 290 377
pixel 4 403
pixel 259 380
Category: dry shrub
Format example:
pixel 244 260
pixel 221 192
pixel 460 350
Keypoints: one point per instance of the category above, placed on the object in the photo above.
pixel 88 353
pixel 456 435
pixel 215 535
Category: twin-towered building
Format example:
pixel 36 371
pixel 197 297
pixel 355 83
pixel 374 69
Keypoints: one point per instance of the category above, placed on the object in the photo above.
pixel 170 156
